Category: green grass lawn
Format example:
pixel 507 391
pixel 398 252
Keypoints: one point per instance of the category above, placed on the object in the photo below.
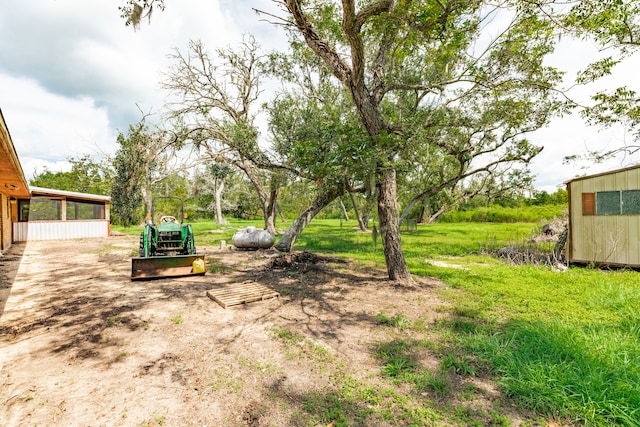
pixel 565 345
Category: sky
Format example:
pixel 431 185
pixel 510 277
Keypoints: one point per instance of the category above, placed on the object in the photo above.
pixel 72 77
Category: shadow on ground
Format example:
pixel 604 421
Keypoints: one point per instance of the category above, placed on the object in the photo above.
pixel 9 265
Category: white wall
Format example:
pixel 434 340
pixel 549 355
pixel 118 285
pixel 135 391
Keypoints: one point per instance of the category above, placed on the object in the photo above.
pixel 59 230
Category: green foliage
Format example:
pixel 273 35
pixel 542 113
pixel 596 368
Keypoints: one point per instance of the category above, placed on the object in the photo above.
pixel 140 173
pixel 239 199
pixel 611 23
pixel 614 26
pixel 126 197
pixel 86 176
pixel 174 184
pixel 559 197
pixel 320 140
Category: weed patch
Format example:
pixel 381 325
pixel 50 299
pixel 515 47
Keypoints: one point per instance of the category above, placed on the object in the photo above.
pixel 397 320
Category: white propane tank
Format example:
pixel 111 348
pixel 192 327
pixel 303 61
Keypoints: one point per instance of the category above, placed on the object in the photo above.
pixel 251 238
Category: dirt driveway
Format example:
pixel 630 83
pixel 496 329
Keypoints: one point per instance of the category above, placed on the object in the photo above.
pixel 80 344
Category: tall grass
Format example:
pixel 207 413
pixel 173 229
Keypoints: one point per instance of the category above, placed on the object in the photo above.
pixel 501 214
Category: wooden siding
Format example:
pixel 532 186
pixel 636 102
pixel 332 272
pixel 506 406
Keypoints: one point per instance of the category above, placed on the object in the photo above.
pixel 5 222
pixel 12 180
pixel 59 230
pixel 603 239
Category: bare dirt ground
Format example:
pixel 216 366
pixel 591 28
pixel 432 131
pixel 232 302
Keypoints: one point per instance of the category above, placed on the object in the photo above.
pixel 82 345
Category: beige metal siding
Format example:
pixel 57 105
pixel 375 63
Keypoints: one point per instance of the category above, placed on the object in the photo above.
pixel 612 239
pixel 59 230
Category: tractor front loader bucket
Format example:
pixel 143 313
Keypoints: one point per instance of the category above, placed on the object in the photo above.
pixel 167 266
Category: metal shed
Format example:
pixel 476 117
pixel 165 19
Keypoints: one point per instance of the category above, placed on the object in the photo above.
pixel 604 218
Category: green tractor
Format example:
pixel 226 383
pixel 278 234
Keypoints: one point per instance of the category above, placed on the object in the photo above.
pixel 168 248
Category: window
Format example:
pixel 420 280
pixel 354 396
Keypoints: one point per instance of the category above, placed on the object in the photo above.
pixel 82 209
pixel 50 209
pixel 631 202
pixel 625 202
pixel 40 209
pixel 608 203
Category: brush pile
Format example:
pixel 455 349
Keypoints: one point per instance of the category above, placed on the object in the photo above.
pixel 545 247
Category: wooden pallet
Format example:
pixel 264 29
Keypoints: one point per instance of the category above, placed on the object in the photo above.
pixel 241 293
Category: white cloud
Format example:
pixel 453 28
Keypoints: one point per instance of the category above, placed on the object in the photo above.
pixel 47 129
pixel 569 136
pixel 72 75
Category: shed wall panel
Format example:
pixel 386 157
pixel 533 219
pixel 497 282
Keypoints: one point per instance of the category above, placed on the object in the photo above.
pixel 59 230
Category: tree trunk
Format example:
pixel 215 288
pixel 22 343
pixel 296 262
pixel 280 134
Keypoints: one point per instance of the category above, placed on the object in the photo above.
pixel 148 200
pixel 344 210
pixel 365 221
pixel 368 105
pixel 280 213
pixel 361 223
pixel 435 216
pixel 268 202
pixel 421 214
pixel 289 237
pixel 270 222
pixel 389 226
pixel 270 207
pixel 218 201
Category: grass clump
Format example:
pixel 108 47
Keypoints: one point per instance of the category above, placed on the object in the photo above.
pixel 347 401
pixel 398 320
pixel 585 374
pixel 287 336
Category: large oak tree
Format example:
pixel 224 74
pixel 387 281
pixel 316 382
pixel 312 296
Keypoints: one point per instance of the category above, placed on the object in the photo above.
pixel 411 67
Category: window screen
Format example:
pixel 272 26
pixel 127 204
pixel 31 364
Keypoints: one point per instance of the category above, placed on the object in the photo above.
pixel 608 203
pixel 80 209
pixel 40 209
pixel 631 202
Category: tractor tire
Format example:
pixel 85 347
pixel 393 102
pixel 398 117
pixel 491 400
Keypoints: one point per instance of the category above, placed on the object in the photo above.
pixel 141 246
pixel 186 248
